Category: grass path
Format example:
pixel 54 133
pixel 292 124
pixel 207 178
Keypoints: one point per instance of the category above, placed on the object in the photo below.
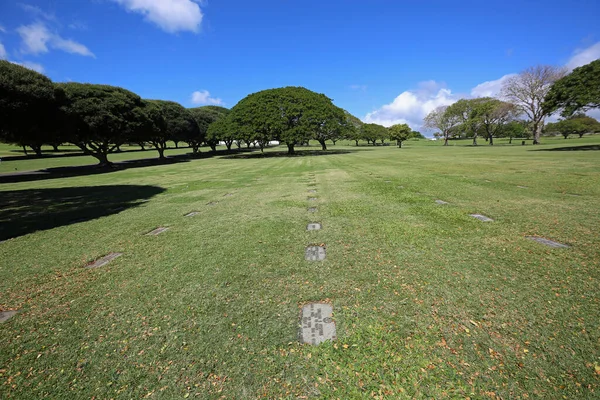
pixel 428 302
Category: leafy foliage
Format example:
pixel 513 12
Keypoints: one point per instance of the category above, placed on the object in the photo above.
pixel 400 133
pixel 29 104
pixel 204 117
pixel 579 124
pixel 100 117
pixel 578 91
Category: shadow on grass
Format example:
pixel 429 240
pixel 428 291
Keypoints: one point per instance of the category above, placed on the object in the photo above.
pixel 588 147
pixel 68 172
pixel 30 210
pixel 298 153
pixel 64 153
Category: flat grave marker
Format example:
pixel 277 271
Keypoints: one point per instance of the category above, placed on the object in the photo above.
pixel 6 315
pixel 104 260
pixel 191 214
pixel 442 202
pixel 228 195
pixel 312 209
pixel 481 217
pixel 312 191
pixel 212 203
pixel 314 253
pixel 316 324
pixel 522 187
pixel 312 199
pixel 547 242
pixel 157 231
pixel 313 226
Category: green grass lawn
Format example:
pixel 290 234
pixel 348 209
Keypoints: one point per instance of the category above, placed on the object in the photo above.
pixel 428 301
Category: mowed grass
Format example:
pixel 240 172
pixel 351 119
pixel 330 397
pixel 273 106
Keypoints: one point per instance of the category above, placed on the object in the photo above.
pixel 428 301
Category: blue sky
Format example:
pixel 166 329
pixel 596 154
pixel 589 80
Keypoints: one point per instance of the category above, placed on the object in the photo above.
pixel 384 61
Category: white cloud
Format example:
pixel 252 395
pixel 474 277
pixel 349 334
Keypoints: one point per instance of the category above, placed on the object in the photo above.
pixel 411 106
pixel 2 29
pixel 362 88
pixel 490 88
pixel 37 38
pixel 31 65
pixel 3 53
pixel 38 12
pixel 584 56
pixel 170 15
pixel 203 97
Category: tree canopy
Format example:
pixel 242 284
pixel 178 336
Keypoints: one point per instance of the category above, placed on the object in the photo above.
pixel 579 91
pixel 400 133
pixel 205 116
pixel 100 117
pixel 29 104
pixel 579 124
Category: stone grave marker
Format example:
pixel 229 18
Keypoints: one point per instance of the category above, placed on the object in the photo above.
pixel 314 253
pixel 6 315
pixel 312 199
pixel 522 187
pixel 212 203
pixel 441 202
pixel 312 191
pixel 228 195
pixel 481 217
pixel 313 226
pixel 312 209
pixel 547 242
pixel 388 181
pixel 316 323
pixel 104 260
pixel 191 214
pixel 157 231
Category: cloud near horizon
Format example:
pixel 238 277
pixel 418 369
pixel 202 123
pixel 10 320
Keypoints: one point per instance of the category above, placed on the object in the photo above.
pixel 37 38
pixel 170 15
pixel 412 106
pixel 203 98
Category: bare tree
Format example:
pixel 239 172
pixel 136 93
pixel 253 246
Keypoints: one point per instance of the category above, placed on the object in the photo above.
pixel 440 119
pixel 527 91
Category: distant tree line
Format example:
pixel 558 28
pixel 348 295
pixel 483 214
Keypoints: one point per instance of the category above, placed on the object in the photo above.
pixel 34 111
pixel 526 100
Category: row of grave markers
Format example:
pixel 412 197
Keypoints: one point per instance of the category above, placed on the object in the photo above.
pixel 316 319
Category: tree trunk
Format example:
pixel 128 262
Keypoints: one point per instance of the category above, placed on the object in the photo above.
pixel 54 147
pixel 161 152
pixel 118 148
pixel 195 148
pixel 399 143
pixel 445 140
pixel 228 144
pixel 102 158
pixel 537 130
pixel 581 135
pixel 37 149
pixel 474 140
pixel 25 149
pixel 176 144
pixel 334 140
pixel 491 140
pixel 356 143
pixel 323 145
pixel 142 146
pixel 290 147
pixel 510 140
pixel 213 147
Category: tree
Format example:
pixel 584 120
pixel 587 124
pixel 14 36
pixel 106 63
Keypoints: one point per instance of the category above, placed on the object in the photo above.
pixel 464 112
pixel 99 118
pixel 492 114
pixel 290 114
pixel 400 133
pixel 29 105
pixel 579 91
pixel 332 125
pixel 205 116
pixel 354 125
pixel 373 132
pixel 442 120
pixel 579 124
pixel 180 125
pixel 514 129
pixel 416 135
pixel 527 91
pixel 224 130
pixel 152 126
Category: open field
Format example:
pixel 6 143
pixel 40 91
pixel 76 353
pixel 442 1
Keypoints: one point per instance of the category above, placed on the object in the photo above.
pixel 428 302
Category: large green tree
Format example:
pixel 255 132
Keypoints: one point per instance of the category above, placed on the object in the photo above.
pixel 374 132
pixel 491 115
pixel 99 118
pixel 290 115
pixel 354 125
pixel 400 133
pixel 579 91
pixel 333 125
pixel 29 105
pixel 205 116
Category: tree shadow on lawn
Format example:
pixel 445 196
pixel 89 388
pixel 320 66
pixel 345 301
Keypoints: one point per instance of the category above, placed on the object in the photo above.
pixel 586 147
pixel 68 172
pixel 30 210
pixel 298 153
